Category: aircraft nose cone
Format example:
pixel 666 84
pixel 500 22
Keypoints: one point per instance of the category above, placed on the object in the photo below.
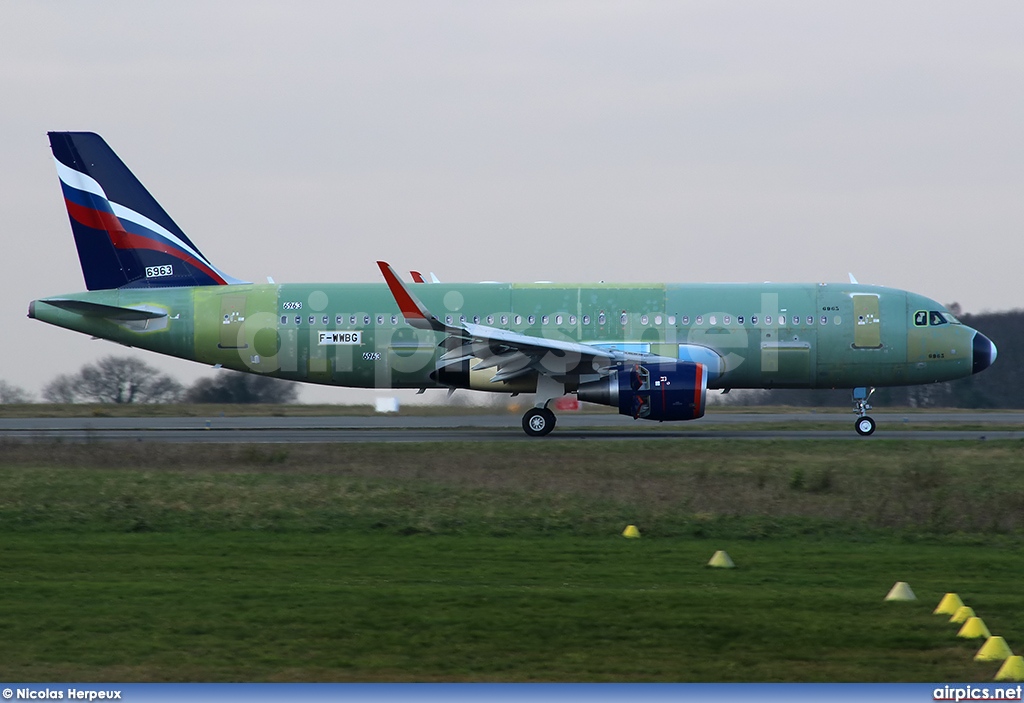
pixel 984 353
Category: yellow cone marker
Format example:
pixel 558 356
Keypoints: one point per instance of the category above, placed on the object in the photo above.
pixel 948 605
pixel 973 629
pixel 995 649
pixel 721 560
pixel 901 591
pixel 962 614
pixel 631 532
pixel 1012 669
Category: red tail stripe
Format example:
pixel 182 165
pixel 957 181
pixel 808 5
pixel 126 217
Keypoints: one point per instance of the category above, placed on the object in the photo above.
pixel 108 222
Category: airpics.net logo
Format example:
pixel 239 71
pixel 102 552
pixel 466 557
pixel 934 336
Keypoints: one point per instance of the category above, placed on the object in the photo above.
pixel 977 693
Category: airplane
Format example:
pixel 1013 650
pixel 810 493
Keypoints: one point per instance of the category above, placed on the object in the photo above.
pixel 653 351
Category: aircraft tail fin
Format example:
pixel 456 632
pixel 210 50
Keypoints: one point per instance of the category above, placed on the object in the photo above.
pixel 124 238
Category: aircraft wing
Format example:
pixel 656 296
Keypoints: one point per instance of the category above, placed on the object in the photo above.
pixel 511 354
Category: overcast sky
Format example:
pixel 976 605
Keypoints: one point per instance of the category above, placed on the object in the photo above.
pixel 521 141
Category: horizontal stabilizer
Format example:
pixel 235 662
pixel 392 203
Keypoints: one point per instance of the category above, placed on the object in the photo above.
pixel 110 312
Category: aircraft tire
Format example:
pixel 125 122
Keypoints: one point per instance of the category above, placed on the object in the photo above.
pixel 538 422
pixel 865 426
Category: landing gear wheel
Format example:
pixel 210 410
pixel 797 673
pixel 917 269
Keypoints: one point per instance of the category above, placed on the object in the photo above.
pixel 538 422
pixel 865 426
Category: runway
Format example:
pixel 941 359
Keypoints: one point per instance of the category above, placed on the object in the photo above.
pixel 489 428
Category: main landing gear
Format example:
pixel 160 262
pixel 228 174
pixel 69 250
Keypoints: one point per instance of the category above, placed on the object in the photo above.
pixel 538 422
pixel 864 425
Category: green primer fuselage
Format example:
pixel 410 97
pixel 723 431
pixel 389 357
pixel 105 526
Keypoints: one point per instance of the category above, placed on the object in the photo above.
pixel 769 335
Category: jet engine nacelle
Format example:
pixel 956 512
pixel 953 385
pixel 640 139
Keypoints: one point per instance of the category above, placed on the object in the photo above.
pixel 654 391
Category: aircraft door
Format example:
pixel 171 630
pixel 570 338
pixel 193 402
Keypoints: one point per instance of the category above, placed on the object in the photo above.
pixel 232 310
pixel 867 321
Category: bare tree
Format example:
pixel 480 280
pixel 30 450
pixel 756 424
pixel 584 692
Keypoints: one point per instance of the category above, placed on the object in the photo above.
pixel 236 387
pixel 11 394
pixel 114 379
pixel 60 390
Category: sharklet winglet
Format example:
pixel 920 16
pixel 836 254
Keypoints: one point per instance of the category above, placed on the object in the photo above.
pixel 414 312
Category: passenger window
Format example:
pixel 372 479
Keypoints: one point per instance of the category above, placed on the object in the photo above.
pixel 643 319
pixel 326 319
pixel 623 318
pixel 337 319
pixel 824 320
pixel 753 320
pixel 531 319
pixel 699 320
pixel 351 319
pixel 504 319
pixel 366 319
pixel 284 319
pixel 586 319
pixel 380 319
pixel 312 320
pixel 476 319
pixel 490 319
pixel 394 319
pixel 671 319
pixel 739 319
pixel 810 320
pixel 686 319
pixel 558 319
pixel 782 320
pixel 298 320
pixel 448 319
pixel 545 320
pixel 519 319
pixel 768 320
pixel 572 319
pixel 601 318
pixel 726 319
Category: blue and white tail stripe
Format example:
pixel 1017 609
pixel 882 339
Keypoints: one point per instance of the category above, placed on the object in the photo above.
pixel 124 237
pixel 76 183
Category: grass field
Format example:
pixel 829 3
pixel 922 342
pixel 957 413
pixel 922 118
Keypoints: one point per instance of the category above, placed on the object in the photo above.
pixel 503 562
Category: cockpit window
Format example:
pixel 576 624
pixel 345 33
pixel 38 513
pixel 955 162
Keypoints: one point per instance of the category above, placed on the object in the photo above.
pixel 933 318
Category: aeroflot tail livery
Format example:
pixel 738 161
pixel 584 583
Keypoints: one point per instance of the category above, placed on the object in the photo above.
pixel 650 350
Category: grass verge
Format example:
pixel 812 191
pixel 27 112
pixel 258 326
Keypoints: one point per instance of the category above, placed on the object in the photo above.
pixel 501 562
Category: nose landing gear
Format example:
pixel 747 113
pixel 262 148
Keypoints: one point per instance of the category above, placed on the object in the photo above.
pixel 864 425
